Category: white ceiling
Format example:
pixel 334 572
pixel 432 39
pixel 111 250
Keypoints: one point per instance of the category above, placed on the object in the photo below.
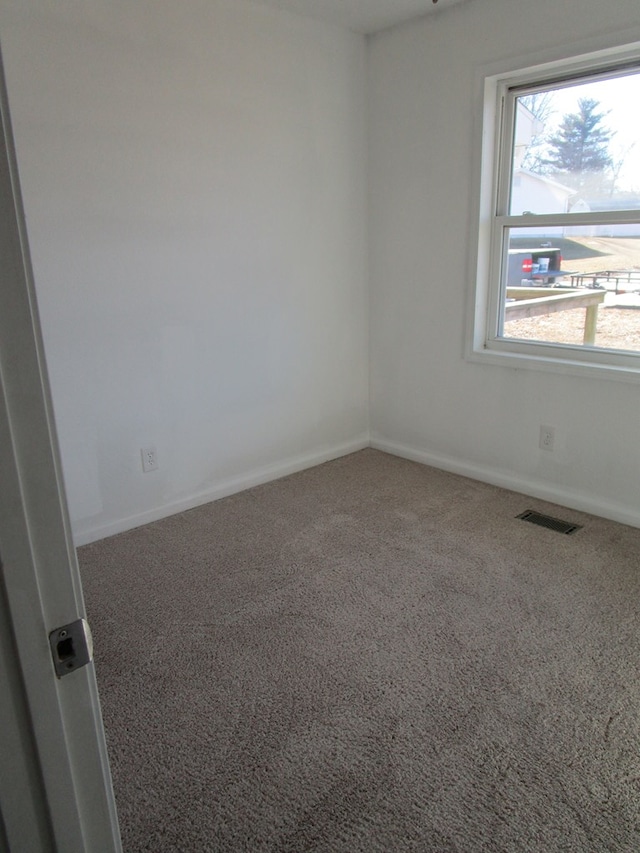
pixel 362 16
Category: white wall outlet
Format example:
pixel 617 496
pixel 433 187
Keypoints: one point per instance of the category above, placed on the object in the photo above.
pixel 547 437
pixel 149 459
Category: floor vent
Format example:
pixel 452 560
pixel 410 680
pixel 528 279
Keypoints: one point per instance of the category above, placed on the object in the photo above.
pixel 547 521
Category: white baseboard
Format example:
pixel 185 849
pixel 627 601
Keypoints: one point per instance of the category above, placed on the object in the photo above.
pixel 508 480
pixel 222 490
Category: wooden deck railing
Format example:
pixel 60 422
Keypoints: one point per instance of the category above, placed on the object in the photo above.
pixel 538 301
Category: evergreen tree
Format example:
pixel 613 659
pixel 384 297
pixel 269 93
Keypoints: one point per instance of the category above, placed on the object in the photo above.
pixel 579 151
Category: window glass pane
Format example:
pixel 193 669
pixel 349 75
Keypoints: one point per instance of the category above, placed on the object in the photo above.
pixel 574 285
pixel 577 148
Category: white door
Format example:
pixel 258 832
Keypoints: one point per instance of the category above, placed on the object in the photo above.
pixel 55 785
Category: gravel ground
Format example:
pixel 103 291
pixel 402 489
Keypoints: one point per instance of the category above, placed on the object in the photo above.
pixel 618 328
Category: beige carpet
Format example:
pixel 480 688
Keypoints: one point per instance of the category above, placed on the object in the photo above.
pixel 371 656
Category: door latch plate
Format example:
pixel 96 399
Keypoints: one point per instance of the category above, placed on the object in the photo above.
pixel 71 647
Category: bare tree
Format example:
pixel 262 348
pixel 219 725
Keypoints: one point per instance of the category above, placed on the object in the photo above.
pixel 540 105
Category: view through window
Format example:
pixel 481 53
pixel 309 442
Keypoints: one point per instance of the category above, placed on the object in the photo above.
pixel 570 223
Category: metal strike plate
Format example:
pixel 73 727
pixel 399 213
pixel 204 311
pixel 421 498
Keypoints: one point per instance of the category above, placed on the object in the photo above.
pixel 71 647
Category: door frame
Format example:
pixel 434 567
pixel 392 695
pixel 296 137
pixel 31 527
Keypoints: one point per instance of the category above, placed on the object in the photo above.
pixel 55 786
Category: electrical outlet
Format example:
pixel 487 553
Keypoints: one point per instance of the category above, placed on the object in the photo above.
pixel 149 459
pixel 547 437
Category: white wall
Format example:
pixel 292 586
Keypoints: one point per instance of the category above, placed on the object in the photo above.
pixel 194 184
pixel 426 400
pixel 194 177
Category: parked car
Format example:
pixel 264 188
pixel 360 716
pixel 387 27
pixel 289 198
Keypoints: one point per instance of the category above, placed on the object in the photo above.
pixel 531 267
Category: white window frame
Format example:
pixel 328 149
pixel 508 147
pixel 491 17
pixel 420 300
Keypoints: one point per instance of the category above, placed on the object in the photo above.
pixel 492 201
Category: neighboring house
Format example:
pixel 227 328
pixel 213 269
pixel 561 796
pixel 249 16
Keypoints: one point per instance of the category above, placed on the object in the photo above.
pixel 539 194
pixel 620 203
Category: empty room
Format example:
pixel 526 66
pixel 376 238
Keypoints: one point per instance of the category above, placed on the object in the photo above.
pixel 327 426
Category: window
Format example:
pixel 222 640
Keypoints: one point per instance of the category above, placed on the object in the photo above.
pixel 559 252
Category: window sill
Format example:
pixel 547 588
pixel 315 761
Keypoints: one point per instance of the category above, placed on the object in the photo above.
pixel 562 360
